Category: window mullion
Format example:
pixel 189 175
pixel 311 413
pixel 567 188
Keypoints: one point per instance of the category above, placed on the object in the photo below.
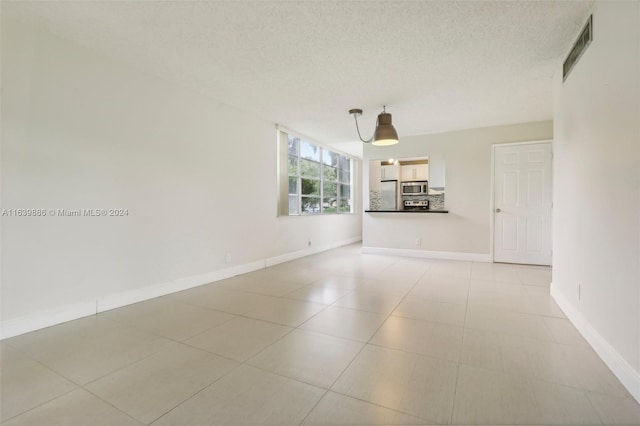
pixel 299 183
pixel 321 181
pixel 339 187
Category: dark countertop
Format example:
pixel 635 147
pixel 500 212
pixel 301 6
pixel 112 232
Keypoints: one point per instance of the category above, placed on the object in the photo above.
pixel 408 211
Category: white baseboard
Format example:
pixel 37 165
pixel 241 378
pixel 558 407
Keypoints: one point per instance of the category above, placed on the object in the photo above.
pixel 309 251
pixel 272 261
pixel 162 289
pixel 346 242
pixel 444 255
pixel 48 318
pixel 628 376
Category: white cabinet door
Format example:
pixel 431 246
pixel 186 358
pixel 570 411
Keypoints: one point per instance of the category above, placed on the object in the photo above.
pixel 522 204
pixel 422 171
pixel 415 172
pixel 390 172
pixel 407 173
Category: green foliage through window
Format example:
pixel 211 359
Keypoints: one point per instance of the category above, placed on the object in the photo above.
pixel 319 179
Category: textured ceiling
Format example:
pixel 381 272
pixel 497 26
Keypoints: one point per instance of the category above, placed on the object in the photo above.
pixel 437 65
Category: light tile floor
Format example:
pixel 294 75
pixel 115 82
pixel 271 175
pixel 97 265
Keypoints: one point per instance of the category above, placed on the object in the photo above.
pixel 335 338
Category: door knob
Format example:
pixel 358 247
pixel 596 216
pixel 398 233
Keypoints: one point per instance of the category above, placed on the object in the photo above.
pixel 498 210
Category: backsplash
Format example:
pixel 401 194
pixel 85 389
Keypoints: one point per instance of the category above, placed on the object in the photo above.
pixel 374 200
pixel 436 201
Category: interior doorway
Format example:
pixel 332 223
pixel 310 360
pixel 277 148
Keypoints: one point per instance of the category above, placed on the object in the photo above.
pixel 522 203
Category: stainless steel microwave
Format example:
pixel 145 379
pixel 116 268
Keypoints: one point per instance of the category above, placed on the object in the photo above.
pixel 415 188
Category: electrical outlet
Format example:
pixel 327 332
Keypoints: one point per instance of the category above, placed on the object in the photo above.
pixel 418 241
pixel 227 257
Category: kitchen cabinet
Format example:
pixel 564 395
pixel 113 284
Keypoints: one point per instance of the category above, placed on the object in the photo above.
pixel 413 172
pixel 390 172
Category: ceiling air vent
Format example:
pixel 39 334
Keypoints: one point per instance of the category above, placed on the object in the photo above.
pixel 578 48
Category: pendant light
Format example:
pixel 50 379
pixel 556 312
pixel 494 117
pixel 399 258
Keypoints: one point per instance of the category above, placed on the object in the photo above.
pixel 385 134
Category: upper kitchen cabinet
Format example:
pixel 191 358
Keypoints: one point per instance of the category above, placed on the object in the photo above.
pixel 414 171
pixel 436 174
pixel 385 185
pixel 390 172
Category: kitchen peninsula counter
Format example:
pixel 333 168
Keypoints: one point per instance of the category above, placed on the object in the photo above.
pixel 408 211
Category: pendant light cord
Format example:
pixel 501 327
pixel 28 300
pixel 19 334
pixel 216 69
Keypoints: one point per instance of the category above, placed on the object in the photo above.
pixel 355 117
pixel 358 129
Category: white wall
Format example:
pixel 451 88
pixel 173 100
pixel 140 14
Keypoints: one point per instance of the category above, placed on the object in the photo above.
pixel 198 178
pixel 464 232
pixel 596 192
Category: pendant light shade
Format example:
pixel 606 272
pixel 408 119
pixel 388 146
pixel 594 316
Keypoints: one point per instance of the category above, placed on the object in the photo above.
pixel 384 135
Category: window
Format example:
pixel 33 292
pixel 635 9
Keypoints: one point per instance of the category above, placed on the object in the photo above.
pixel 318 180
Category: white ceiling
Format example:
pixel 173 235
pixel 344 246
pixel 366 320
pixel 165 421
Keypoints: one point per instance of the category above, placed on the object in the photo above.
pixel 437 65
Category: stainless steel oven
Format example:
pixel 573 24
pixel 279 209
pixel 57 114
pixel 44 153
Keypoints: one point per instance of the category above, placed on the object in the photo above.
pixel 415 188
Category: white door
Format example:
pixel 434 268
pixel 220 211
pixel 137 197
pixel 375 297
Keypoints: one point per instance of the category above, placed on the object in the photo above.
pixel 522 203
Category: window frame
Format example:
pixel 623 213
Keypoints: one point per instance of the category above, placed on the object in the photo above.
pixel 323 201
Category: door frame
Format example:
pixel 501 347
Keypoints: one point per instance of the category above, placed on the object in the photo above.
pixel 492 206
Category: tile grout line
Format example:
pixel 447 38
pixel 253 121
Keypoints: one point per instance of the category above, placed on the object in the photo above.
pixel 78 386
pixel 595 410
pixel 293 328
pixel 244 363
pixel 360 351
pixel 459 363
pixel 178 342
pixel 234 368
pixel 380 406
pixel 114 406
pixel 298 328
pixel 181 343
pixel 239 363
pixel 42 403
